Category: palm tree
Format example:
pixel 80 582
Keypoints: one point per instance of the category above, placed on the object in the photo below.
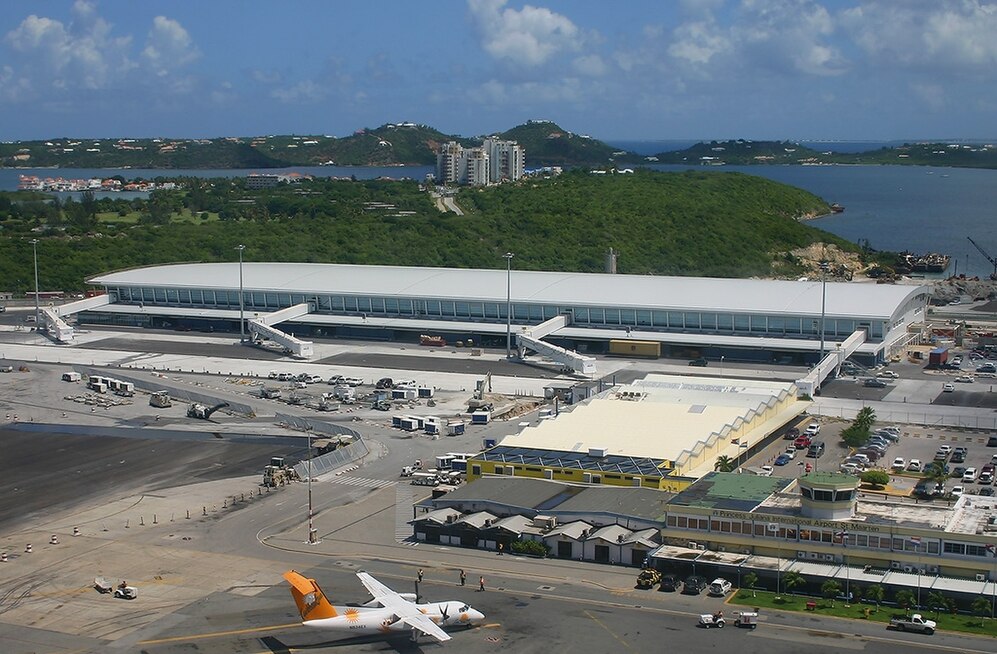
pixel 936 602
pixel 865 418
pixel 750 580
pixel 830 589
pixel 876 594
pixel 905 599
pixel 793 579
pixel 980 607
pixel 725 464
pixel 936 472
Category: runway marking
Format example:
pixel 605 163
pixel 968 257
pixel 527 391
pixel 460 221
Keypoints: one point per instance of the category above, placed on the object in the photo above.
pixel 363 482
pixel 608 630
pixel 218 634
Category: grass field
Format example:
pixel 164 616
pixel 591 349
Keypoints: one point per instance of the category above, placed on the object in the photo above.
pixel 785 602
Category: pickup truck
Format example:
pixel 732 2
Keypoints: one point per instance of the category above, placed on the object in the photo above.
pixel 912 623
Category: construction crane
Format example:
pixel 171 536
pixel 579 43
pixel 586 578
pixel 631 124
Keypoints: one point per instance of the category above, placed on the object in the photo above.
pixel 987 256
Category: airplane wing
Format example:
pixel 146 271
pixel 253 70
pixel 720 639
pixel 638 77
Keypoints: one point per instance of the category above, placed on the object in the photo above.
pixel 403 609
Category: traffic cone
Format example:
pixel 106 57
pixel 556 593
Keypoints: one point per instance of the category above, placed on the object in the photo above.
pixel 54 540
pixel 76 531
pixel 3 557
pixel 27 548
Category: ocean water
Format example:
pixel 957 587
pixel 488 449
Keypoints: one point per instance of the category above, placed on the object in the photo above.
pixel 914 208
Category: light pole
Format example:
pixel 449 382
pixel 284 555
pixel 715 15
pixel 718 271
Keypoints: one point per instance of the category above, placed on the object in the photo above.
pixel 721 365
pixel 312 536
pixel 242 308
pixel 34 250
pixel 508 304
pixel 823 307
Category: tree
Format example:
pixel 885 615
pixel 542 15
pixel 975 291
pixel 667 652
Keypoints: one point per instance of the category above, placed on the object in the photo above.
pixel 853 435
pixel 830 589
pixel 875 478
pixel 750 580
pixel 793 579
pixel 980 607
pixel 905 599
pixel 876 594
pixel 936 602
pixel 865 418
pixel 936 472
pixel 725 464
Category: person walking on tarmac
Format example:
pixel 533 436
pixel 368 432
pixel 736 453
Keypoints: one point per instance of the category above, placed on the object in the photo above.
pixel 463 577
pixel 420 575
pixel 481 583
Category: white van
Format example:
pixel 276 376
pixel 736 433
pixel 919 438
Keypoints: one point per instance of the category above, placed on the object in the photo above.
pixel 71 376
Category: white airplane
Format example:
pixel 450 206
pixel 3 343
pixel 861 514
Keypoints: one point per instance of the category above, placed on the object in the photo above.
pixel 387 612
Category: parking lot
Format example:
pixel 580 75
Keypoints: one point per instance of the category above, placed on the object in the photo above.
pixel 915 443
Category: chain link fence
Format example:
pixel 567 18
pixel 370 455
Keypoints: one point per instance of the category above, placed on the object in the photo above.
pixel 342 456
pixel 904 416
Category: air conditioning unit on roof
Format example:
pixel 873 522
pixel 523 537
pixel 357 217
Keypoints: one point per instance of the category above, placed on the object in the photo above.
pixel 980 577
pixel 801 555
pixel 895 565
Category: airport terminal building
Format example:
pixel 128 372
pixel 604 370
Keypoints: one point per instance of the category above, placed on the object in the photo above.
pixel 740 319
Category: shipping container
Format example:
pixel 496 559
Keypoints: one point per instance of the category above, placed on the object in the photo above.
pixel 631 348
pixel 938 356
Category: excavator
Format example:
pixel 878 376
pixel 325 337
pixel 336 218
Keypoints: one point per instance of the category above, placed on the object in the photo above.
pixel 203 411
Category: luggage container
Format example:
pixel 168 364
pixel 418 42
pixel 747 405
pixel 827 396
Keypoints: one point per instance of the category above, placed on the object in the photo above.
pixel 632 348
pixel 410 424
pixel 426 391
pixel 455 428
pixel 396 421
pixel 71 376
pixel 481 417
pixel 444 461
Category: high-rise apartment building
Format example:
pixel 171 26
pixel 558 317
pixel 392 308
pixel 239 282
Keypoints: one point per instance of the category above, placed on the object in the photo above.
pixel 493 162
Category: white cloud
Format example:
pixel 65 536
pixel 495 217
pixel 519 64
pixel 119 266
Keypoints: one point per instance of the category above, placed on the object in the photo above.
pixel 527 37
pixel 698 42
pixel 304 91
pixel 951 34
pixel 591 65
pixel 496 93
pixel 168 46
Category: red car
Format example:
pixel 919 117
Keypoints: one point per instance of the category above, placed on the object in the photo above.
pixel 802 443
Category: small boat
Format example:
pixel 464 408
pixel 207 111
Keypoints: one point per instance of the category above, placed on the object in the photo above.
pixel 837 208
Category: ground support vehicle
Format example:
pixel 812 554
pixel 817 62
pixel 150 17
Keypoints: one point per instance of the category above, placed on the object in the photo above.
pixel 913 623
pixel 747 619
pixel 707 620
pixel 647 578
pixel 160 400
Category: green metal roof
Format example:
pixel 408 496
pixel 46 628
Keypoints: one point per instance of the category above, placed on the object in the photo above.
pixel 835 479
pixel 732 491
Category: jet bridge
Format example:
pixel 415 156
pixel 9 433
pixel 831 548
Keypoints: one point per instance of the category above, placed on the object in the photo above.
pixel 59 329
pixel 262 327
pixel 529 339
pixel 831 362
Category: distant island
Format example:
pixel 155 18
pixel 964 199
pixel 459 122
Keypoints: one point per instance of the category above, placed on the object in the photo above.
pixel 400 144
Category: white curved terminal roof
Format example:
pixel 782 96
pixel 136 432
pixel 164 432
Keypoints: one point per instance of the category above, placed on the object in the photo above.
pixel 853 300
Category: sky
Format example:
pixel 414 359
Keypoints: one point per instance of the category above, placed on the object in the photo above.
pixel 628 70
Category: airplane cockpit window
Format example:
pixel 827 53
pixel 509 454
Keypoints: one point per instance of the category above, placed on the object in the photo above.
pixel 465 607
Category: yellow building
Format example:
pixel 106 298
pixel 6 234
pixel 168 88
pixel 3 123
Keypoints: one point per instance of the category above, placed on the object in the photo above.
pixel 663 432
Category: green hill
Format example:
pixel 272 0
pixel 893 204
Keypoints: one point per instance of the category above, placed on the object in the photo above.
pixel 547 144
pixel 692 223
pixel 742 153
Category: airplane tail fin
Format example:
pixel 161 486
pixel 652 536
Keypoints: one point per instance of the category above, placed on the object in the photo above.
pixel 312 602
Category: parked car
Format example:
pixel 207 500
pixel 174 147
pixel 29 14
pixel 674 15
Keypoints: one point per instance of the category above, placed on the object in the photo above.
pixel 791 434
pixel 384 382
pixel 670 583
pixel 851 468
pixel 987 491
pixel 813 429
pixel 782 460
pixel 969 476
pixel 314 379
pixel 922 489
pixel 873 455
pixel 888 435
pixel 893 429
pixel 899 463
pixel 956 491
pixel 987 367
pixel 965 379
pixel 914 465
pixel 701 362
pixel 816 450
pixel 336 380
pixel 720 587
pixel 693 585
pixel 959 455
pixel 986 477
pixel 992 441
pixel 873 382
pixel 790 452
pixel 959 471
pixel 948 388
pixel 858 458
pixel 802 443
pixel 888 373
